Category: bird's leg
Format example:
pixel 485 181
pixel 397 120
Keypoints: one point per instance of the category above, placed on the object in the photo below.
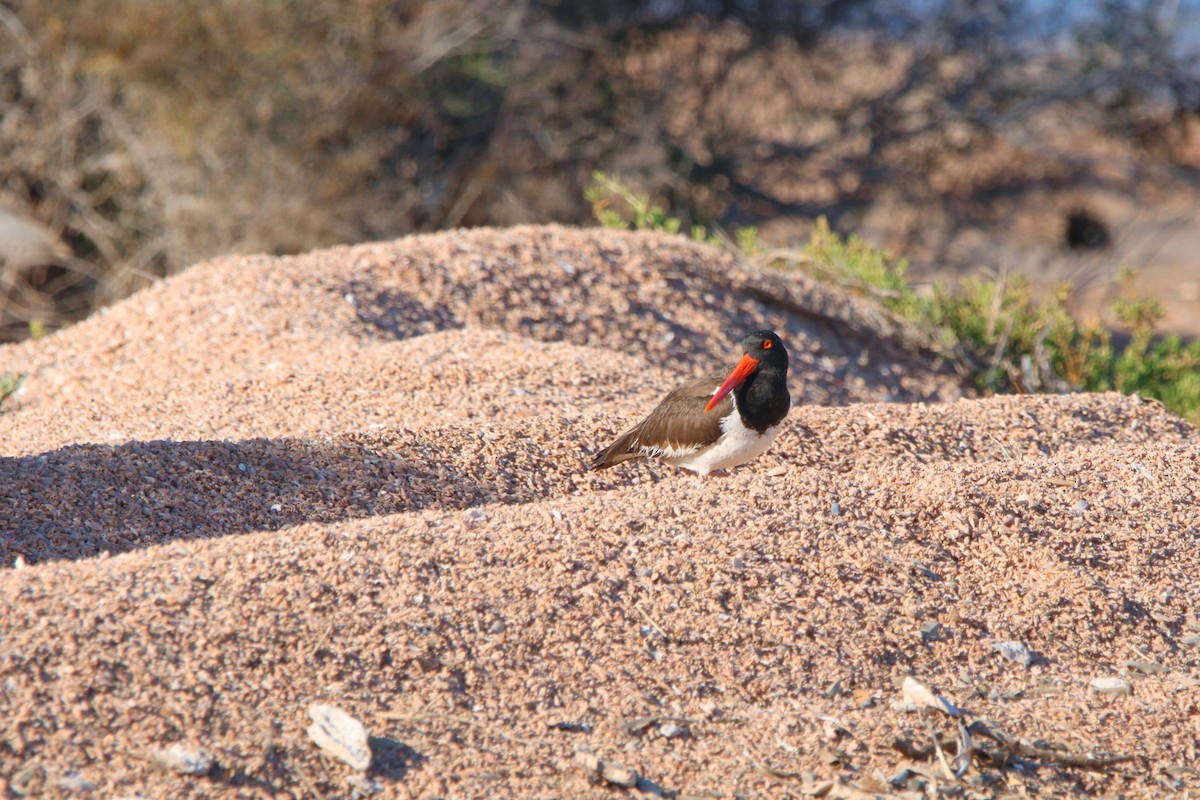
pixel 717 473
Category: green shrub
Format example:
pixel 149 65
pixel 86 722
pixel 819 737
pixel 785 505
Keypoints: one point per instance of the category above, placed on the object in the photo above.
pixel 1161 367
pixel 1006 339
pixel 615 205
pixel 996 332
pixel 10 382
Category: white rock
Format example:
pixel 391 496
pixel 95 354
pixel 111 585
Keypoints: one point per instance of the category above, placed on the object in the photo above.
pixel 1014 652
pixel 616 774
pixel 183 759
pixel 920 695
pixel 72 781
pixel 671 730
pixel 1112 686
pixel 340 735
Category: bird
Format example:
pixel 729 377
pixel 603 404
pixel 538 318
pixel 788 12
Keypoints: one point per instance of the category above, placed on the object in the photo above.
pixel 717 422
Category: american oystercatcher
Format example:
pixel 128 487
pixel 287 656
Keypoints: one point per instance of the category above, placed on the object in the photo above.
pixel 716 422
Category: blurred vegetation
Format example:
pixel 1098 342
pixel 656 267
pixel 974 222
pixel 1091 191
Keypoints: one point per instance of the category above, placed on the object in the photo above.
pixel 1005 339
pixel 617 206
pixel 9 384
pixel 994 332
pixel 146 135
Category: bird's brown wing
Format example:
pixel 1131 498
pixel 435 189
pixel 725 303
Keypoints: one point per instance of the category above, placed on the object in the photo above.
pixel 677 426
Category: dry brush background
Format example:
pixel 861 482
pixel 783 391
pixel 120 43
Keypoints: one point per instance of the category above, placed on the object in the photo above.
pixel 145 136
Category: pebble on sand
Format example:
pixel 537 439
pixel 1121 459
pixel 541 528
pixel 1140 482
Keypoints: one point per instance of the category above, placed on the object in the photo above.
pixel 182 758
pixel 1117 686
pixel 340 735
pixel 1014 652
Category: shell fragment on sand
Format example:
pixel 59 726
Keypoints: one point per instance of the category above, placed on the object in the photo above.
pixel 1014 652
pixel 932 631
pixel 340 735
pixel 672 730
pixel 915 695
pixel 182 758
pixel 1115 686
pixel 607 771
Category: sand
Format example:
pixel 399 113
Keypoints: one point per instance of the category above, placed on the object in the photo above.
pixel 356 478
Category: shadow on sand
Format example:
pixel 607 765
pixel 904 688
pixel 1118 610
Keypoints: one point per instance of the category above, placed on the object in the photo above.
pixel 82 500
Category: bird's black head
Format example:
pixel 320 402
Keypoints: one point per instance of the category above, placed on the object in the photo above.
pixel 766 348
pixel 765 354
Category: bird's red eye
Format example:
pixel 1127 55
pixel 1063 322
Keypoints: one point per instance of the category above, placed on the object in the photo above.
pixel 767 344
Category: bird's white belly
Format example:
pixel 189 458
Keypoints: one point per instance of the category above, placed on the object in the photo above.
pixel 737 445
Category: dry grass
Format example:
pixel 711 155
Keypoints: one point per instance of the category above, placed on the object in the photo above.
pixel 150 135
pixel 69 160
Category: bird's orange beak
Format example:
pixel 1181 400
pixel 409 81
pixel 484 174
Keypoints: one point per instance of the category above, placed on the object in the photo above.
pixel 743 370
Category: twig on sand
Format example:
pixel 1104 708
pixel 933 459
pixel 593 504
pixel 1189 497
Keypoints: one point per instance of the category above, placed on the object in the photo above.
pixel 1010 751
pixel 434 716
pixel 1051 756
pixel 937 747
pixel 653 624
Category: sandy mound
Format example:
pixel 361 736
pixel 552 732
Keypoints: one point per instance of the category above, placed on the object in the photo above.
pixel 355 478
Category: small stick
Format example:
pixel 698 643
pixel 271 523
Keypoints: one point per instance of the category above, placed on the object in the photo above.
pixel 400 716
pixel 937 746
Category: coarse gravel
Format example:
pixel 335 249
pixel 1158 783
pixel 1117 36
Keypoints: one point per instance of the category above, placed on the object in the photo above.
pixel 356 478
